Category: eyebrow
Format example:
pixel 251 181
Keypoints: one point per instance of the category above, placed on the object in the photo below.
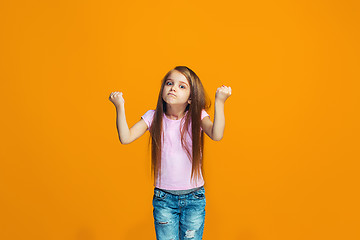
pixel 179 81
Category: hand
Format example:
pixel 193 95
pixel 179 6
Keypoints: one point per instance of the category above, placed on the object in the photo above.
pixel 117 99
pixel 222 93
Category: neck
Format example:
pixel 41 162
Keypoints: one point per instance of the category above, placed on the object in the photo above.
pixel 175 112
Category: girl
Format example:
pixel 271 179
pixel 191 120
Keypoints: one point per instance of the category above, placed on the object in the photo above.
pixel 176 129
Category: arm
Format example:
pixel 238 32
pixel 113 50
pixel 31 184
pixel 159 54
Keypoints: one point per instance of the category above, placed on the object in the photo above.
pixel 216 130
pixel 219 121
pixel 127 135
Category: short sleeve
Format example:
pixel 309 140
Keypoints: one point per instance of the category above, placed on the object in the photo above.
pixel 148 118
pixel 204 114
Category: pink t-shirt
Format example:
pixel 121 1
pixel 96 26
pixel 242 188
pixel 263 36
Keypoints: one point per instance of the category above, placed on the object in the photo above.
pixel 175 164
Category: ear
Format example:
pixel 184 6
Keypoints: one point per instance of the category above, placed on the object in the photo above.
pixel 189 101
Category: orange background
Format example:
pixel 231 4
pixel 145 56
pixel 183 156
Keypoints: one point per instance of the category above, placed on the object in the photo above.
pixel 287 167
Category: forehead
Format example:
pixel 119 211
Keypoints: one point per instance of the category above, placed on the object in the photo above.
pixel 177 76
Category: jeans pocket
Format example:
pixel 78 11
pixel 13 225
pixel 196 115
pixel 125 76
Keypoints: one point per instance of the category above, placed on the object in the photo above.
pixel 199 194
pixel 158 194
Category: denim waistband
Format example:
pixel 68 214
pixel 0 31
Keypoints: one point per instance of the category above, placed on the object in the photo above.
pixel 180 192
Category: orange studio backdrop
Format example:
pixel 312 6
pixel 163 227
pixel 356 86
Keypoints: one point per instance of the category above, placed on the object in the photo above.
pixel 287 167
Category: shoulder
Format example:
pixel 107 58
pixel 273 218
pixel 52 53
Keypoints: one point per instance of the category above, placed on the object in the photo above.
pixel 148 114
pixel 150 111
pixel 148 117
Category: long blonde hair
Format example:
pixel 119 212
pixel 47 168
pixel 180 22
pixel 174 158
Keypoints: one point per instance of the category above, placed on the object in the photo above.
pixel 199 101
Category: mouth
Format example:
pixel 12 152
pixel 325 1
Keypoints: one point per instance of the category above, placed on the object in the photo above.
pixel 172 94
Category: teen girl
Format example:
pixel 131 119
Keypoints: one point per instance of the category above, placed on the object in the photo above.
pixel 176 129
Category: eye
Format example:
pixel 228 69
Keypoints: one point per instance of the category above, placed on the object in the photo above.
pixel 168 83
pixel 182 86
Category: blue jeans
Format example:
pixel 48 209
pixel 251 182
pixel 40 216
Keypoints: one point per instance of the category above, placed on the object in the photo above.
pixel 179 216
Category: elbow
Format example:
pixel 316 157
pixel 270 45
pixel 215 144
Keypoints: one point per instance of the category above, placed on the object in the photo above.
pixel 217 135
pixel 123 142
pixel 217 138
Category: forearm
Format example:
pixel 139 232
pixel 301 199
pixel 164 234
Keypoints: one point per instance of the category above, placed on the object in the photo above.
pixel 121 124
pixel 219 121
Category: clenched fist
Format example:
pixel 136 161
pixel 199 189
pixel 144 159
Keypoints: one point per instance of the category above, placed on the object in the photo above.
pixel 117 99
pixel 222 93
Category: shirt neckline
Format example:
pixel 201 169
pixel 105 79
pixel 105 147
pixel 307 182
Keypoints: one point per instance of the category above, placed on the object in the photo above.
pixel 174 119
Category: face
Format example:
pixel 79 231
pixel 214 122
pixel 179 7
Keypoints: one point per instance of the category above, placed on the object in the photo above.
pixel 176 89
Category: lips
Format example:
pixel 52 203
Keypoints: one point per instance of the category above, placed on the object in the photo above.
pixel 172 94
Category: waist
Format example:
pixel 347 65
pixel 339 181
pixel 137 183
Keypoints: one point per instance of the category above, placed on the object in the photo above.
pixel 180 192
